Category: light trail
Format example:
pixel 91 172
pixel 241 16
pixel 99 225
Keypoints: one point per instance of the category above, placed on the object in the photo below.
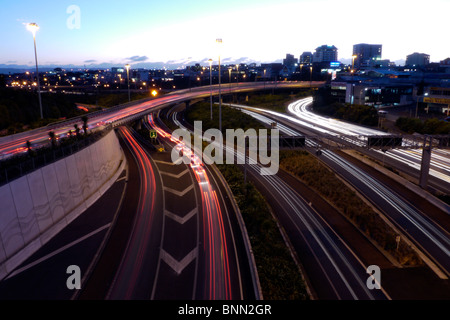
pixel 428 235
pixel 131 268
pixel 440 161
pixel 326 244
pixel 214 235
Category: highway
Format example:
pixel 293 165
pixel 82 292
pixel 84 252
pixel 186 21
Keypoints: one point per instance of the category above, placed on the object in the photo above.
pixel 440 159
pixel 137 267
pixel 336 271
pixel 428 235
pixel 219 258
pixel 16 144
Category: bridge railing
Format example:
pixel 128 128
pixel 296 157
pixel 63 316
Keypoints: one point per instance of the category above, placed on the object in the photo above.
pixel 20 165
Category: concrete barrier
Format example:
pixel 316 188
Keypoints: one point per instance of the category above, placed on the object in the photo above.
pixel 35 207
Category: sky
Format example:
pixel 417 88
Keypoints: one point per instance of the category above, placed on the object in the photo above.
pixel 108 33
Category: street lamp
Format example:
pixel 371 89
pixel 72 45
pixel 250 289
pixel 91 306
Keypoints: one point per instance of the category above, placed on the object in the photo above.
pixel 310 76
pixel 353 62
pixel 264 79
pixel 210 85
pixel 219 41
pixel 128 80
pixel 33 27
pixel 229 76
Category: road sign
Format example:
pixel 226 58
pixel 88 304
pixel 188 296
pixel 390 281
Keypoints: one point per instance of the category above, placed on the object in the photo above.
pixel 153 134
pixel 436 100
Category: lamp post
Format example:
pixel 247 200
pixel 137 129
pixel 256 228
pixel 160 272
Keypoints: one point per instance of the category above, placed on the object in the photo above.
pixel 33 27
pixel 128 80
pixel 264 79
pixel 210 85
pixel 353 62
pixel 310 77
pixel 219 41
pixel 229 76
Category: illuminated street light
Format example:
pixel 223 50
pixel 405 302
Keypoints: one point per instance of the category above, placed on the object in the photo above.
pixel 33 27
pixel 310 76
pixel 210 85
pixel 353 62
pixel 128 80
pixel 264 79
pixel 229 76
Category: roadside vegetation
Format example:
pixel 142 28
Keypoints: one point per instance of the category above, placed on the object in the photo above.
pixel 364 115
pixel 317 177
pixel 429 126
pixel 20 111
pixel 231 118
pixel 276 102
pixel 279 275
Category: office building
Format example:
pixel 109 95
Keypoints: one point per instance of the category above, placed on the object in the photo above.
pixel 417 59
pixel 325 53
pixel 367 55
pixel 306 57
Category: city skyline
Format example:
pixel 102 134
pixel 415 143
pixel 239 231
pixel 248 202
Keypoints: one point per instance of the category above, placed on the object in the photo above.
pixel 144 33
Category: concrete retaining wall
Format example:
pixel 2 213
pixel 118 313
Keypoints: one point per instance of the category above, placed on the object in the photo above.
pixel 35 207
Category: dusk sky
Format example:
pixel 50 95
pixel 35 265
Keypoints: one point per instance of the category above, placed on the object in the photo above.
pixel 119 32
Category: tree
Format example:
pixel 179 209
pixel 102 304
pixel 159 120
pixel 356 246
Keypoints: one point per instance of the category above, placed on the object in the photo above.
pixel 77 130
pixel 85 126
pixel 52 136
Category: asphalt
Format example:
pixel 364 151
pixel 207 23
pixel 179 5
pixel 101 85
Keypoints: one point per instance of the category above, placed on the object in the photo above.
pixel 45 274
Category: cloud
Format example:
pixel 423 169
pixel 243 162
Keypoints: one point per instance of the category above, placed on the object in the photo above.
pixel 90 61
pixel 138 58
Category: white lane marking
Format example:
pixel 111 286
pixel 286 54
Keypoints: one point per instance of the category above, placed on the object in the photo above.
pixel 178 266
pixel 179 193
pixel 177 218
pixel 54 253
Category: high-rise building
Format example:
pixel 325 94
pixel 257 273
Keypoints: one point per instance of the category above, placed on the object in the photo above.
pixel 417 59
pixel 325 53
pixel 366 54
pixel 290 62
pixel 306 57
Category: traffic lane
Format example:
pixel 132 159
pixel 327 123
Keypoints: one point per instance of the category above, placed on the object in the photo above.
pixel 350 272
pixel 332 270
pixel 433 182
pixel 353 237
pixel 416 232
pixel 102 275
pixel 135 276
pixel 45 271
pixel 47 280
pixel 440 217
pixel 388 202
pixel 248 285
pixel 180 237
pixel 241 282
pixel 219 249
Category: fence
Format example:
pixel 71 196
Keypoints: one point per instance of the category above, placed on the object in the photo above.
pixel 18 166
